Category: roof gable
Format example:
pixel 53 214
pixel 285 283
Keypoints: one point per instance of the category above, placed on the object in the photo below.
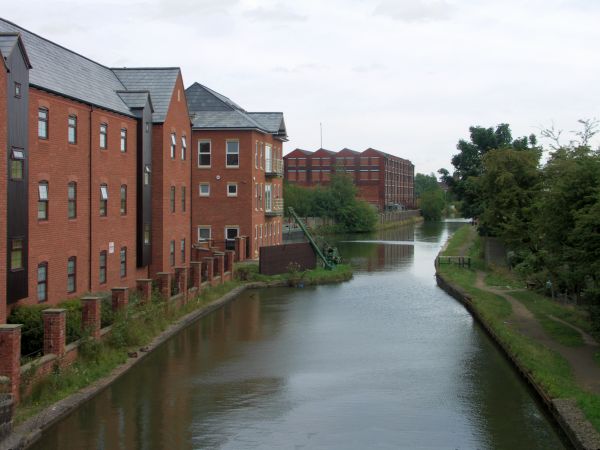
pixel 298 153
pixel 324 152
pixel 159 81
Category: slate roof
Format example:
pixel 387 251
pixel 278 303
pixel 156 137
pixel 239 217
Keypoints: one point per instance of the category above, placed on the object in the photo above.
pixel 211 110
pixel 136 99
pixel 159 81
pixel 65 72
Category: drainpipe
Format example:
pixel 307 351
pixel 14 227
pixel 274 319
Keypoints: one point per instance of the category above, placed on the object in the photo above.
pixel 90 204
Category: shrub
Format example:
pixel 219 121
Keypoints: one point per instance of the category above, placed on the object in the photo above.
pixel 32 332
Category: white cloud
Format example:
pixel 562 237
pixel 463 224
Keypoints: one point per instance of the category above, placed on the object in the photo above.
pixel 415 10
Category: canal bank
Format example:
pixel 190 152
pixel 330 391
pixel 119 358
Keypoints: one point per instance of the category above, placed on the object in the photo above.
pixel 524 348
pixel 386 360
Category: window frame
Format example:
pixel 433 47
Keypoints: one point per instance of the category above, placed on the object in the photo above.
pixel 200 153
pixel 103 136
pixel 43 122
pixel 172 199
pixel 183 198
pixel 43 200
pixel 44 282
pixel 72 275
pixel 232 184
pixel 123 200
pixel 236 153
pixel 182 250
pixel 72 127
pixel 172 253
pixel 103 200
pixel 17 89
pixel 72 202
pixel 200 194
pixel 173 145
pixel 123 262
pixel 17 159
pixel 204 227
pixel 103 267
pixel 123 140
pixel 183 147
pixel 14 249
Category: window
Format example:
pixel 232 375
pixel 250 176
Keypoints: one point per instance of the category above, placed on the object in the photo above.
pixel 233 154
pixel 268 202
pixel 260 197
pixel 103 135
pixel 230 234
pixel 183 148
pixel 256 156
pixel 268 158
pixel 42 282
pixel 72 200
pixel 183 250
pixel 173 145
pixel 172 253
pixel 103 200
pixel 147 172
pixel 17 90
pixel 172 199
pixel 204 153
pixel 261 156
pixel 102 273
pixel 203 233
pixel 72 130
pixel 123 140
pixel 123 262
pixel 17 162
pixel 43 123
pixel 256 195
pixel 183 198
pixel 147 232
pixel 123 199
pixel 232 189
pixel 71 274
pixel 204 189
pixel 43 200
pixel 16 254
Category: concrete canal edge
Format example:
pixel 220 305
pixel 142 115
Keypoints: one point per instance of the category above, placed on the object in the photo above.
pixel 27 433
pixel 566 412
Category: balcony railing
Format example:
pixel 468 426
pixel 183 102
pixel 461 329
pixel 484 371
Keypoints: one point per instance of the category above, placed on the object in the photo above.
pixel 276 208
pixel 274 167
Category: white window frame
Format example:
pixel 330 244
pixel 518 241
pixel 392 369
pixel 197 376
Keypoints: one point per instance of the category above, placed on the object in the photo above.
pixel 227 142
pixel 183 148
pixel 268 197
pixel 231 227
pixel 200 193
pixel 204 227
pixel 173 145
pixel 104 192
pixel 209 142
pixel 256 156
pixel 229 194
pixel 268 158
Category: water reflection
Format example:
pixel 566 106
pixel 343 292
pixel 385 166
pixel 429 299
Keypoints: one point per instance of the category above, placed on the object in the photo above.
pixel 385 361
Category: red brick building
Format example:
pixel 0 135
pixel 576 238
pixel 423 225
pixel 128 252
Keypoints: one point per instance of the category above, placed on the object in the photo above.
pixel 237 172
pixel 383 180
pixel 96 182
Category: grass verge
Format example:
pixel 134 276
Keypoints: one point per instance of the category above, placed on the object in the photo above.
pixel 549 369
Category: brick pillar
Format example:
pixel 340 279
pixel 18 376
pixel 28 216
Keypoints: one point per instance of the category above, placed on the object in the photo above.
pixel 91 314
pixel 10 357
pixel 240 248
pixel 144 289
pixel 197 274
pixel 210 275
pixel 120 298
pixel 164 280
pixel 230 257
pixel 181 280
pixel 55 331
pixel 221 266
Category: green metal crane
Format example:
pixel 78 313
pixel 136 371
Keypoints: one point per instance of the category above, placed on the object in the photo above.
pixel 331 256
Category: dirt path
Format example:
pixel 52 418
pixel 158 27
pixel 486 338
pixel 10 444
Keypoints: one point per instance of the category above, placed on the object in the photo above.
pixel 581 359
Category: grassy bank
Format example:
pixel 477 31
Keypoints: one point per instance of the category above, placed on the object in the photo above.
pixel 549 369
pixel 249 272
pixel 388 225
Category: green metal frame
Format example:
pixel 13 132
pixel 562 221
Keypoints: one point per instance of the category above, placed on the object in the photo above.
pixel 328 264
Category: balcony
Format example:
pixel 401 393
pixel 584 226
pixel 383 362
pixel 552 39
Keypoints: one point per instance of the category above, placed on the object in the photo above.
pixel 273 167
pixel 276 209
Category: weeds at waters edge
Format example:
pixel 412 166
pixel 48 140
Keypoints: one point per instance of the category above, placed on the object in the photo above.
pixel 98 359
pixel 549 369
pixel 249 272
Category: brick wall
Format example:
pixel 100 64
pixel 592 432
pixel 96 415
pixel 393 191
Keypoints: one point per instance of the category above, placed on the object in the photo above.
pixel 167 172
pixel 276 259
pixel 3 197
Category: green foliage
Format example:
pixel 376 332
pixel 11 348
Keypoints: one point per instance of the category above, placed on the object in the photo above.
pixel 424 183
pixel 336 201
pixel 432 204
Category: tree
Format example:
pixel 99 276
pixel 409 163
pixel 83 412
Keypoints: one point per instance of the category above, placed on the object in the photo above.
pixel 432 204
pixel 424 183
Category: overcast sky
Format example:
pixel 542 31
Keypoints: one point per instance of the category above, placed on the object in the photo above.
pixel 407 77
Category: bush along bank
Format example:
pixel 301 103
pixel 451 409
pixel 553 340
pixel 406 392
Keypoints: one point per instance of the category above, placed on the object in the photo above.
pixel 135 331
pixel 525 326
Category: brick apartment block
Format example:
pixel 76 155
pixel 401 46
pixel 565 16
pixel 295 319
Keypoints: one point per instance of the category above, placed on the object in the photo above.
pixel 96 182
pixel 237 174
pixel 386 181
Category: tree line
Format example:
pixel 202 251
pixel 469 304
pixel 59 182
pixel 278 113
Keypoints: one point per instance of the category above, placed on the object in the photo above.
pixel 547 214
pixel 336 200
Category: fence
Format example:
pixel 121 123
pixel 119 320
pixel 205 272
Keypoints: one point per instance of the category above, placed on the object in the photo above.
pixel 277 259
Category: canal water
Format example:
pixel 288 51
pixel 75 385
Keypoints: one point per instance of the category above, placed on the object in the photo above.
pixel 385 361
